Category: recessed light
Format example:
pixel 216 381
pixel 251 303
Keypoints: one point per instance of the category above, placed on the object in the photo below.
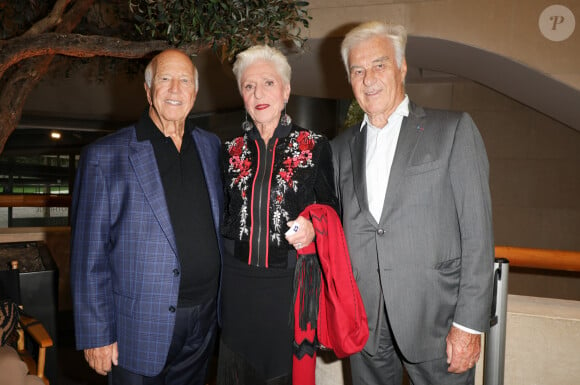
pixel 55 135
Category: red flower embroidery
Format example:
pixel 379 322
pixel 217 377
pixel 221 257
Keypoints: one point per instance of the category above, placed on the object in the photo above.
pixel 305 141
pixel 287 175
pixel 242 166
pixel 290 163
pixel 237 147
pixel 240 169
pixel 300 156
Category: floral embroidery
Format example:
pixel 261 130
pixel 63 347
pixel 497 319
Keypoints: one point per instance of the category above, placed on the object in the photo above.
pixel 292 154
pixel 297 155
pixel 239 166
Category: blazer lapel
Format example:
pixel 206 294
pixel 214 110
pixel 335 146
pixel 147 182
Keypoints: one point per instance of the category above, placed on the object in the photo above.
pixel 358 153
pixel 209 156
pixel 142 158
pixel 411 131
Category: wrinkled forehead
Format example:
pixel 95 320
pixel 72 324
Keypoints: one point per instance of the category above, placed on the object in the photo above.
pixel 375 48
pixel 173 62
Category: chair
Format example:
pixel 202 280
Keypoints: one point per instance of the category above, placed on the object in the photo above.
pixel 28 326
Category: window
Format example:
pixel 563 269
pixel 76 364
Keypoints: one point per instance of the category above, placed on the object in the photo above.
pixel 35 190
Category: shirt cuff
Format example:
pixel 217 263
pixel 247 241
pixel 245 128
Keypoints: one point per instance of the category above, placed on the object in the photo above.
pixel 465 329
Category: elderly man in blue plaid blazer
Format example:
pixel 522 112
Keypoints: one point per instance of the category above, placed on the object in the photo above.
pixel 146 252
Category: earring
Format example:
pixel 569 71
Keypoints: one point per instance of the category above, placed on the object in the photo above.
pixel 246 125
pixel 285 120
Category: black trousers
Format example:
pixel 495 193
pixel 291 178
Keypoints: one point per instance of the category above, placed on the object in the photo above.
pixel 189 354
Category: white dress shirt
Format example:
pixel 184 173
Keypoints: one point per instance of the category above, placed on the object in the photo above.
pixel 380 151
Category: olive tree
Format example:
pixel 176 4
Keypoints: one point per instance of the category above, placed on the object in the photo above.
pixel 35 35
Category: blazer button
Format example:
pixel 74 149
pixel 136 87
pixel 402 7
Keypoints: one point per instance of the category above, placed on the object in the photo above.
pixel 380 231
pixel 172 309
pixel 175 272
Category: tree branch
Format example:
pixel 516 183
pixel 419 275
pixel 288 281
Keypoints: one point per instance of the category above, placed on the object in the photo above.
pixel 74 15
pixel 50 21
pixel 75 45
pixel 14 94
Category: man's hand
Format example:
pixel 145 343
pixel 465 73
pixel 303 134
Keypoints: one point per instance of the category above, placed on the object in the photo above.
pixel 100 359
pixel 463 350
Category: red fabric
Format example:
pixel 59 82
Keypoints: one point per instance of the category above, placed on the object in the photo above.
pixel 342 320
pixel 303 369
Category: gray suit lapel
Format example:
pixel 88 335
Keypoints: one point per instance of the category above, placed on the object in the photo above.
pixel 142 158
pixel 411 131
pixel 358 155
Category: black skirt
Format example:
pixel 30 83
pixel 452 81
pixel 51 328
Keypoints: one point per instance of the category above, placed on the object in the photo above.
pixel 256 342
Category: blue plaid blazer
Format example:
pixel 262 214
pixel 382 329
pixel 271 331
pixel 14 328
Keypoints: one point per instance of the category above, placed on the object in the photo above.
pixel 123 250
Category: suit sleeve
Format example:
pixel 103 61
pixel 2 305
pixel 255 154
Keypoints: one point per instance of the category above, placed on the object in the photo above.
pixel 469 173
pixel 90 273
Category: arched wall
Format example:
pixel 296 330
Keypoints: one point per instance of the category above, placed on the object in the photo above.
pixel 509 28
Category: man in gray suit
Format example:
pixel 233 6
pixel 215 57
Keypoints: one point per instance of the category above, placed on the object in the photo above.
pixel 415 203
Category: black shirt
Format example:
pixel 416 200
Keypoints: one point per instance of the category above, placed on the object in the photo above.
pixel 188 204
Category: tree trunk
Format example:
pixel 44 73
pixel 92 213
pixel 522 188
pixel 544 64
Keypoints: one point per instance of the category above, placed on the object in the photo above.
pixel 24 78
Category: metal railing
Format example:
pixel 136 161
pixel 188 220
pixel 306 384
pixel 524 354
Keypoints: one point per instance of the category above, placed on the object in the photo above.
pixel 35 200
pixel 540 258
pixel 562 260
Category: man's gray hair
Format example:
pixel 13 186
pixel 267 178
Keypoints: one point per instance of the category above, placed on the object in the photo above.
pixel 397 34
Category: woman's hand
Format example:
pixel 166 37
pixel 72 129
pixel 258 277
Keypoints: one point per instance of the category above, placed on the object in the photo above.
pixel 303 236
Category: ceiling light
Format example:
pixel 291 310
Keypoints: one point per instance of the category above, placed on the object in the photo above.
pixel 56 135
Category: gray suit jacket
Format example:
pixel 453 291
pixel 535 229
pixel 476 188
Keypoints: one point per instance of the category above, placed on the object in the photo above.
pixel 430 258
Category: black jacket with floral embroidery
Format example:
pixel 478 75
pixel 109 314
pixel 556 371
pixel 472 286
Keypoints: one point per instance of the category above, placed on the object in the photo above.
pixel 265 187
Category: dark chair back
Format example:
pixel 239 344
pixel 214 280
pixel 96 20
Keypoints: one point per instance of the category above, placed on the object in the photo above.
pixel 10 283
